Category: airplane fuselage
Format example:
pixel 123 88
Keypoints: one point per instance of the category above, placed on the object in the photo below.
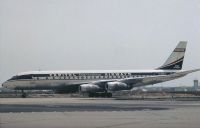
pixel 58 79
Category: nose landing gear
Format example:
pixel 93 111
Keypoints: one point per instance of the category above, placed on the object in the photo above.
pixel 24 95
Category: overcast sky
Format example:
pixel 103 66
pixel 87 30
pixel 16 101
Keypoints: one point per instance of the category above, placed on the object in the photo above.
pixel 97 34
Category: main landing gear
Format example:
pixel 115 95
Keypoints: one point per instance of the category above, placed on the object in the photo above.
pixel 24 95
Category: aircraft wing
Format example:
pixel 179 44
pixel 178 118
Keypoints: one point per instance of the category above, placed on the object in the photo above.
pixel 141 81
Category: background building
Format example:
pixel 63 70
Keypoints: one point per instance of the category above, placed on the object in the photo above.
pixel 196 84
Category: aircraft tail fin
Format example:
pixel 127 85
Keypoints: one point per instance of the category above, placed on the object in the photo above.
pixel 175 60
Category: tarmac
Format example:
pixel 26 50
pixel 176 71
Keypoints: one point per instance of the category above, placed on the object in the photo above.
pixel 97 113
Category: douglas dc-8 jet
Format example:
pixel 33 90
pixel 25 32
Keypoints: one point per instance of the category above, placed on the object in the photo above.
pixel 101 81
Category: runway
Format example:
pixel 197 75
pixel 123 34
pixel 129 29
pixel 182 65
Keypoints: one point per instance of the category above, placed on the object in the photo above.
pixel 73 107
pixel 97 113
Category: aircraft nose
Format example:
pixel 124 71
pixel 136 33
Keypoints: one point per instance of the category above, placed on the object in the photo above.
pixel 3 85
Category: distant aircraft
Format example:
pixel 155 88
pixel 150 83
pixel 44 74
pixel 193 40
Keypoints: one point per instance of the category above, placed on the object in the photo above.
pixel 101 81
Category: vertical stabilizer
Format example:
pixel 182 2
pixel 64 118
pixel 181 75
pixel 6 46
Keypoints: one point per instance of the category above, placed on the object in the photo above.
pixel 175 60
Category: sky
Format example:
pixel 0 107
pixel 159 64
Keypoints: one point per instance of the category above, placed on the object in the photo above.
pixel 97 34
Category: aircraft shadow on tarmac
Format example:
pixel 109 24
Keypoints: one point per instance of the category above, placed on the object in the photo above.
pixel 6 108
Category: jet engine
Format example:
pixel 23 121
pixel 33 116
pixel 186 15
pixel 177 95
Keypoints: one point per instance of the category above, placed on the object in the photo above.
pixel 88 88
pixel 117 86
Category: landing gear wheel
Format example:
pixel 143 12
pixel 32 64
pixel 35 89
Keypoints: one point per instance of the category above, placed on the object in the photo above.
pixel 24 95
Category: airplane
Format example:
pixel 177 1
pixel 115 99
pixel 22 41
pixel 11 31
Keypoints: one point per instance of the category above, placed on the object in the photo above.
pixel 101 81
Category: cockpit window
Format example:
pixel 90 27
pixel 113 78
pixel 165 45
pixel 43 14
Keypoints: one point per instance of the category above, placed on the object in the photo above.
pixel 24 77
pixel 28 76
pixel 13 78
pixel 21 77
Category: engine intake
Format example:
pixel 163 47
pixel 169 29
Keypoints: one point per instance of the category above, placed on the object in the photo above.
pixel 87 88
pixel 117 86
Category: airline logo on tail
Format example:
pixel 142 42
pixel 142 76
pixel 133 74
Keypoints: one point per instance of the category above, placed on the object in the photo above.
pixel 175 61
pixel 179 50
